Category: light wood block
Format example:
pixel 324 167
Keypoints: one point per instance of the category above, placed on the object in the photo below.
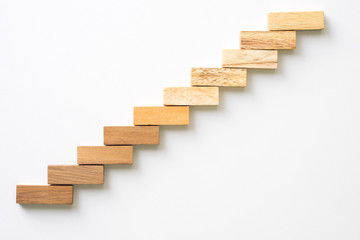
pixel 218 77
pixel 44 194
pixel 131 135
pixel 258 59
pixel 296 20
pixel 75 174
pixel 105 154
pixel 191 96
pixel 270 40
pixel 161 115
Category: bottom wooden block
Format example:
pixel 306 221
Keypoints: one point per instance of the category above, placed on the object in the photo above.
pixel 44 194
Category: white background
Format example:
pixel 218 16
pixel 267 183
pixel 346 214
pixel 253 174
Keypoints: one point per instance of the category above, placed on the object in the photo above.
pixel 276 160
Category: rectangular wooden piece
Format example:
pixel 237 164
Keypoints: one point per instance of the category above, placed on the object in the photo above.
pixel 75 174
pixel 105 154
pixel 192 96
pixel 131 135
pixel 161 115
pixel 218 77
pixel 44 194
pixel 296 20
pixel 270 40
pixel 257 59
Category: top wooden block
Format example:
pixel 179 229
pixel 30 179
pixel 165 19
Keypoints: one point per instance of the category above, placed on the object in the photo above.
pixel 267 40
pixel 296 20
pixel 193 96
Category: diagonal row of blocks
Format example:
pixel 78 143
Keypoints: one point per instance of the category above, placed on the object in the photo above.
pixel 258 50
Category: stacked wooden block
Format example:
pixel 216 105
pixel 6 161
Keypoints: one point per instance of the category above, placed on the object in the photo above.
pixel 258 50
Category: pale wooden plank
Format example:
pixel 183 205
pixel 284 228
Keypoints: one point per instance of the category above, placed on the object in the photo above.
pixel 131 135
pixel 161 115
pixel 75 174
pixel 257 59
pixel 105 154
pixel 296 20
pixel 270 40
pixel 194 96
pixel 44 194
pixel 218 77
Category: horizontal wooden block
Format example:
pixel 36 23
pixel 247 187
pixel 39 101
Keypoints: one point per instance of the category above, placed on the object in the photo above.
pixel 191 96
pixel 296 20
pixel 269 40
pixel 218 77
pixel 259 59
pixel 105 154
pixel 75 174
pixel 44 194
pixel 161 115
pixel 131 135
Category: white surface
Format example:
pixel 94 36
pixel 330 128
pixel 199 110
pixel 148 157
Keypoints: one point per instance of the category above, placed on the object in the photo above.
pixel 277 160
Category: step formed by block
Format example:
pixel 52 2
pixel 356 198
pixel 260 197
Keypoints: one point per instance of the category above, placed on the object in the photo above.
pixel 218 77
pixel 193 96
pixel 75 174
pixel 131 135
pixel 296 20
pixel 161 115
pixel 270 40
pixel 44 194
pixel 105 154
pixel 258 59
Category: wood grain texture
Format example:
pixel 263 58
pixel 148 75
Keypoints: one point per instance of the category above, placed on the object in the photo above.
pixel 194 96
pixel 105 154
pixel 131 135
pixel 44 194
pixel 270 40
pixel 296 20
pixel 258 59
pixel 75 174
pixel 161 115
pixel 218 77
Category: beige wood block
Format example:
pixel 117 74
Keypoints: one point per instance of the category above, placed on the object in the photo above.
pixel 270 40
pixel 218 77
pixel 131 135
pixel 161 115
pixel 296 20
pixel 191 96
pixel 75 174
pixel 105 154
pixel 258 59
pixel 44 194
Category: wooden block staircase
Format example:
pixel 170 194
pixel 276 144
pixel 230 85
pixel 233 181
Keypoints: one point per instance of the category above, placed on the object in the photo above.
pixel 258 50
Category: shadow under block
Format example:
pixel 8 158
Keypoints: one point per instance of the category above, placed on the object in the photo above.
pixel 105 154
pixel 44 194
pixel 193 96
pixel 270 40
pixel 256 59
pixel 296 21
pixel 131 135
pixel 218 77
pixel 161 115
pixel 75 174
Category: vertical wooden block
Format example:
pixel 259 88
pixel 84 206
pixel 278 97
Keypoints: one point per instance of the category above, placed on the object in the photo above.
pixel 258 59
pixel 269 40
pixel 218 77
pixel 44 194
pixel 296 20
pixel 131 135
pixel 105 154
pixel 75 174
pixel 161 115
pixel 191 96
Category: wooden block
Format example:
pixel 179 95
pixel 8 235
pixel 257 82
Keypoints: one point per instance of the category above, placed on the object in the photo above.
pixel 218 77
pixel 131 135
pixel 296 20
pixel 259 59
pixel 75 174
pixel 269 40
pixel 105 154
pixel 161 115
pixel 191 96
pixel 44 194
